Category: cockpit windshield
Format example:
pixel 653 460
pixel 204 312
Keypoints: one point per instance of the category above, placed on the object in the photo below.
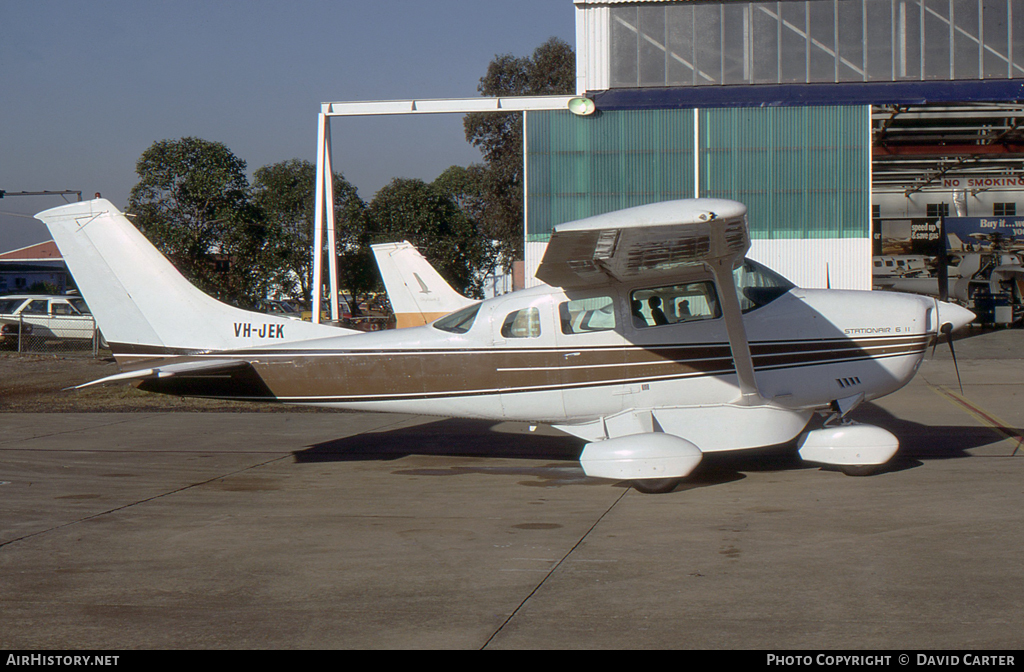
pixel 757 285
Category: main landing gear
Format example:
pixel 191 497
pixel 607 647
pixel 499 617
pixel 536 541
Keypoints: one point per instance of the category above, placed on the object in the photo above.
pixel 656 486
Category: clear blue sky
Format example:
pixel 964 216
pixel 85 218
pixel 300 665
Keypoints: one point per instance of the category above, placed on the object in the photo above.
pixel 86 87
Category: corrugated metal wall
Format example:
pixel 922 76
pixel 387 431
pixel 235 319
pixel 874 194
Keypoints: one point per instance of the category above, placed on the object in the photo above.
pixel 804 173
pixel 583 166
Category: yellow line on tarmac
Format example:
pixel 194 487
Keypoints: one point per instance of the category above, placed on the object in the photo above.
pixel 988 419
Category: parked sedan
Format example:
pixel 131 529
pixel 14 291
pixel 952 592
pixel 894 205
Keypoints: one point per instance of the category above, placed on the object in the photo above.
pixel 45 317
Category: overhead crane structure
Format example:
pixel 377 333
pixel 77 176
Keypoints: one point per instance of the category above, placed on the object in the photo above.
pixel 324 215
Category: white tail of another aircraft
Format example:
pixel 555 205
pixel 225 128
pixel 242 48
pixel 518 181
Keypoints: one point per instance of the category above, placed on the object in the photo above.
pixel 418 293
pixel 141 303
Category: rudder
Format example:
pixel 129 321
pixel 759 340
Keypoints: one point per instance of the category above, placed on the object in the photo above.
pixel 140 300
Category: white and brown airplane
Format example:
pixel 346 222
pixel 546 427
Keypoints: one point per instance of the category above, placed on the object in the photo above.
pixel 417 292
pixel 654 340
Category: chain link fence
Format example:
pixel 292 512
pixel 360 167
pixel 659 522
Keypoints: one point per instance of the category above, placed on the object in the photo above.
pixel 52 334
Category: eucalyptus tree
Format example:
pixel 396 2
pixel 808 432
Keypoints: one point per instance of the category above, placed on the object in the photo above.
pixel 284 194
pixel 550 70
pixel 192 201
pixel 426 216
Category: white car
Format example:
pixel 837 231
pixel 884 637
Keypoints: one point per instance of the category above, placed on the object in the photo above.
pixel 45 317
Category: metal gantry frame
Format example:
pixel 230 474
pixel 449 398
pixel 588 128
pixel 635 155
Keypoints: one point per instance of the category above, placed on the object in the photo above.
pixel 324 213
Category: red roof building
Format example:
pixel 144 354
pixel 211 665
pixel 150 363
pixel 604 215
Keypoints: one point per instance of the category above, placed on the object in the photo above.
pixel 37 264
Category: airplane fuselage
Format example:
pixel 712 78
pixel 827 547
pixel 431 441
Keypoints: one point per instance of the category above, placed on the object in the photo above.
pixel 809 347
pixel 653 339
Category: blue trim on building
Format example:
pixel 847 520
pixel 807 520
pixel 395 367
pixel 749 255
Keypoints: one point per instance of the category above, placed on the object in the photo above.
pixel 796 95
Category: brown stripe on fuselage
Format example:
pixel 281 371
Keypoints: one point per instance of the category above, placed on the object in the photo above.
pixel 241 384
pixel 808 353
pixel 344 376
pixel 772 347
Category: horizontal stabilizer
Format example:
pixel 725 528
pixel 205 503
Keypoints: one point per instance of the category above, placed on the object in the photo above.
pixel 203 367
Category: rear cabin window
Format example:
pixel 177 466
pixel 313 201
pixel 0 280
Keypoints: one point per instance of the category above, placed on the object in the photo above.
pixel 523 323
pixel 460 321
pixel 586 315
pixel 673 304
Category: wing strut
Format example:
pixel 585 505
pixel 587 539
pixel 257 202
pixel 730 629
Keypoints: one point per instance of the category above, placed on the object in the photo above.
pixel 722 270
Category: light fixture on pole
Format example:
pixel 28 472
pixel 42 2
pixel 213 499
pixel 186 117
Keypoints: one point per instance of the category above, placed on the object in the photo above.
pixel 582 106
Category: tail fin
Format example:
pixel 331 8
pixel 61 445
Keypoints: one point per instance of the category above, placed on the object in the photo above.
pixel 141 303
pixel 418 293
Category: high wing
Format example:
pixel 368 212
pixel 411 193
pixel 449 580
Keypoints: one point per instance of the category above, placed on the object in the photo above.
pixel 657 242
pixel 417 292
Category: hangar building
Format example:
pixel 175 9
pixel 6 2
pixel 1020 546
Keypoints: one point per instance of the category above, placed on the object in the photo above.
pixel 818 114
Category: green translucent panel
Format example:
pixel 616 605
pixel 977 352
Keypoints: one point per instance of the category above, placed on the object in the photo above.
pixel 584 166
pixel 803 172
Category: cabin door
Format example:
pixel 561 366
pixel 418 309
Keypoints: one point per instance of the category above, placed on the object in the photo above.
pixel 590 354
pixel 525 358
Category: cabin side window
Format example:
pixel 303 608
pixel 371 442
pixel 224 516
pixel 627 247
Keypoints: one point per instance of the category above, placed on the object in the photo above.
pixel 673 304
pixel 583 316
pixel 523 323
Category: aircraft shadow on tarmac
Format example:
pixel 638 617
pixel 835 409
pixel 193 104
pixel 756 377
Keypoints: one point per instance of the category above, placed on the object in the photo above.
pixel 484 439
pixel 920 443
pixel 513 441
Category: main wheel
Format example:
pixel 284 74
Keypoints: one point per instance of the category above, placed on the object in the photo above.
pixel 656 486
pixel 859 469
